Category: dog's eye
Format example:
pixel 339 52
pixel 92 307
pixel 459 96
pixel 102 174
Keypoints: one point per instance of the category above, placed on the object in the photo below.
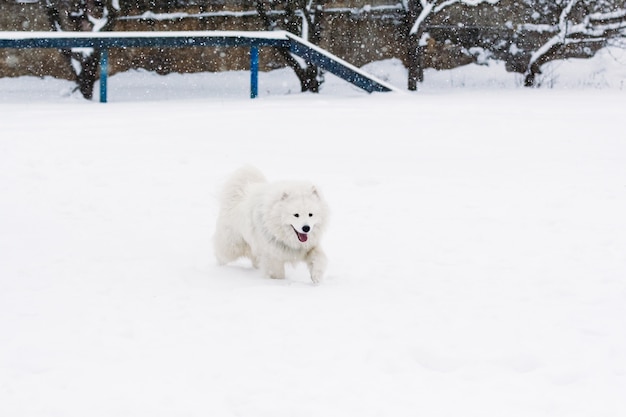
pixel 310 214
pixel 296 215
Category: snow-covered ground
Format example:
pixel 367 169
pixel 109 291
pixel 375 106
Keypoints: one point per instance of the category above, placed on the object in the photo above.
pixel 477 247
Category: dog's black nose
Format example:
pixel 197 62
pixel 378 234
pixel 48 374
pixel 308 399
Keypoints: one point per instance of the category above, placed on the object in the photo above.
pixel 306 229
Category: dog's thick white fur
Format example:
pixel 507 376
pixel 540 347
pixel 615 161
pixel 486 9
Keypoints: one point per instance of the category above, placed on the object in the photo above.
pixel 272 224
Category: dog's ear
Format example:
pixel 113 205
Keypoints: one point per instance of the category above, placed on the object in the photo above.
pixel 284 196
pixel 315 192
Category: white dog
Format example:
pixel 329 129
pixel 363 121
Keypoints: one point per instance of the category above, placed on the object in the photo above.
pixel 271 223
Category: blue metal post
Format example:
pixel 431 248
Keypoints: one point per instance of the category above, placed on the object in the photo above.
pixel 104 64
pixel 254 71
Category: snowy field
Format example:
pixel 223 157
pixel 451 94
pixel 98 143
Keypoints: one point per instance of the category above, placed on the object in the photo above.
pixel 477 247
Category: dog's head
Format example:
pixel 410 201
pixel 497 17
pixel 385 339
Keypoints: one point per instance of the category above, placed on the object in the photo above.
pixel 302 212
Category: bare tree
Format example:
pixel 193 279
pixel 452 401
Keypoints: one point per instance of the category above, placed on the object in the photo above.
pixel 300 17
pixel 583 27
pixel 82 16
pixel 419 13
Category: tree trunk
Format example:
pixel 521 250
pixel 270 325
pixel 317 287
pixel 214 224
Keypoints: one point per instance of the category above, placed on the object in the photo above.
pixel 415 52
pixel 415 58
pixel 529 79
pixel 88 74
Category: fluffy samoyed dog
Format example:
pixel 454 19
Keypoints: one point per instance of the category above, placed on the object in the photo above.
pixel 271 223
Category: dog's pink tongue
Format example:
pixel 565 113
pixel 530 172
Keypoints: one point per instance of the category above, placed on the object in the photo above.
pixel 302 237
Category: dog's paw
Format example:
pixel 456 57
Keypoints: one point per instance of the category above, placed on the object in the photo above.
pixel 275 273
pixel 317 279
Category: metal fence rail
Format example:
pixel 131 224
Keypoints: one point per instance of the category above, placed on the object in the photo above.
pixel 103 41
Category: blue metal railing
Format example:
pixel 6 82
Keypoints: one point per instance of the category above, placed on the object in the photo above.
pixel 103 41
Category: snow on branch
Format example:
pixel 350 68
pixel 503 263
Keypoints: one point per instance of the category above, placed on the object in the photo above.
pixel 576 26
pixel 245 13
pixel 616 15
pixel 593 27
pixel 557 39
pixel 430 7
pixel 182 15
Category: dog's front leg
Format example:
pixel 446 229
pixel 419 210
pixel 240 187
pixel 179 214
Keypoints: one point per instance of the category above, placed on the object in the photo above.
pixel 274 268
pixel 316 261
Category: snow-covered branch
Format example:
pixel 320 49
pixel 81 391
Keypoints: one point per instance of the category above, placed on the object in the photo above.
pixel 576 26
pixel 431 7
pixel 557 39
pixel 427 8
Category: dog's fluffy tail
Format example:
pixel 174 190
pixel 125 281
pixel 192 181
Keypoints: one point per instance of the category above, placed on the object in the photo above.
pixel 234 189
